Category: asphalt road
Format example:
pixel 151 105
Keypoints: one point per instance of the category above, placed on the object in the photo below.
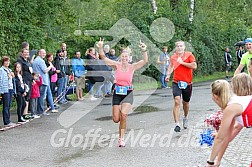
pixel 83 134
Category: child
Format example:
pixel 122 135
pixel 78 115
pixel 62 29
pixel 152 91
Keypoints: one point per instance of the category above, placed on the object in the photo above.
pixel 20 92
pixel 35 93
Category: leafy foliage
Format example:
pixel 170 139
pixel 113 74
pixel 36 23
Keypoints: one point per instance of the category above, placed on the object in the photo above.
pixel 45 24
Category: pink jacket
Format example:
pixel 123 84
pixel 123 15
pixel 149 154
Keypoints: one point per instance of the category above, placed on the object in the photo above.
pixel 35 93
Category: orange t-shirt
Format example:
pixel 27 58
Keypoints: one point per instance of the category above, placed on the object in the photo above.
pixel 182 73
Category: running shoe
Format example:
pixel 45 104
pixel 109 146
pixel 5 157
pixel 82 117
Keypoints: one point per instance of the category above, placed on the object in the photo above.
pixel 54 111
pixel 177 129
pixel 121 143
pixel 27 116
pixel 93 98
pixel 10 124
pixel 185 123
pixel 36 116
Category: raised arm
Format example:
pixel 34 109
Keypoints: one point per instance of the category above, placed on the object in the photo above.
pixel 102 55
pixel 142 62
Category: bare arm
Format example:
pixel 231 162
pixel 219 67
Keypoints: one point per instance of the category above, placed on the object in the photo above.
pixel 169 72
pixel 224 135
pixel 141 63
pixel 48 69
pixel 236 129
pixel 160 62
pixel 239 69
pixel 192 65
pixel 103 57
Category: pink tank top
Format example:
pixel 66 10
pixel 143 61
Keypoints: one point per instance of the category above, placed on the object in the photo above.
pixel 124 78
pixel 54 77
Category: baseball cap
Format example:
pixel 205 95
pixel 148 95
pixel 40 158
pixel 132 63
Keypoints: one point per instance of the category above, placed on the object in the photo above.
pixel 248 40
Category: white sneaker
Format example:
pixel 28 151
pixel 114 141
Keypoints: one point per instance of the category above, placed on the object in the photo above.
pixel 10 124
pixel 185 123
pixel 36 116
pixel 54 111
pixel 93 98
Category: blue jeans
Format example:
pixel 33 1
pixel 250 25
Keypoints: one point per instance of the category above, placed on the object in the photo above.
pixel 99 88
pixel 108 86
pixel 163 76
pixel 61 88
pixel 162 80
pixel 49 97
pixel 6 111
pixel 45 91
pixel 11 92
pixel 90 88
pixel 41 99
pixel 65 86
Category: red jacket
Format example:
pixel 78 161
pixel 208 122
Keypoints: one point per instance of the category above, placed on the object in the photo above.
pixel 35 93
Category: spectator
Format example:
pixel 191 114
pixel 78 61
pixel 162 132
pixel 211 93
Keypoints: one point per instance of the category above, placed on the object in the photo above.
pixel 59 62
pixel 239 54
pixel 45 91
pixel 228 61
pixel 93 71
pixel 52 73
pixel 5 86
pixel 245 57
pixel 79 74
pixel 27 71
pixel 25 45
pixel 35 94
pixel 237 112
pixel 21 91
pixel 109 80
pixel 164 61
pixel 66 63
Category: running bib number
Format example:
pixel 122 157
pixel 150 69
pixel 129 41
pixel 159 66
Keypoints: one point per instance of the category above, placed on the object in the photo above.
pixel 182 85
pixel 121 90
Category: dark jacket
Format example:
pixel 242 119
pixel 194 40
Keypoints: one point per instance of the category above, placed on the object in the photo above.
pixel 27 75
pixel 19 89
pixel 227 57
pixel 93 67
pixel 63 65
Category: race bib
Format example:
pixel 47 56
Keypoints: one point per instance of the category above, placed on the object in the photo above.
pixel 121 90
pixel 182 85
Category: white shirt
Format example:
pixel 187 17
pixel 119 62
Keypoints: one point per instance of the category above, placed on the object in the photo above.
pixel 244 102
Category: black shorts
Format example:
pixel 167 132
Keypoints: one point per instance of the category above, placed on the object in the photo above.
pixel 186 93
pixel 119 99
pixel 228 67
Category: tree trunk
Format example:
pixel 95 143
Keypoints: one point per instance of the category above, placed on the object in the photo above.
pixel 154 6
pixel 191 11
pixel 191 17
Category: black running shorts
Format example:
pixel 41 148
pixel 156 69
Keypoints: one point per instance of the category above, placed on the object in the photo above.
pixel 186 93
pixel 119 99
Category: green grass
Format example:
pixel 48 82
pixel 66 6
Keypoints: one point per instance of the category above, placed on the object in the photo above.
pixel 216 75
pixel 154 84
